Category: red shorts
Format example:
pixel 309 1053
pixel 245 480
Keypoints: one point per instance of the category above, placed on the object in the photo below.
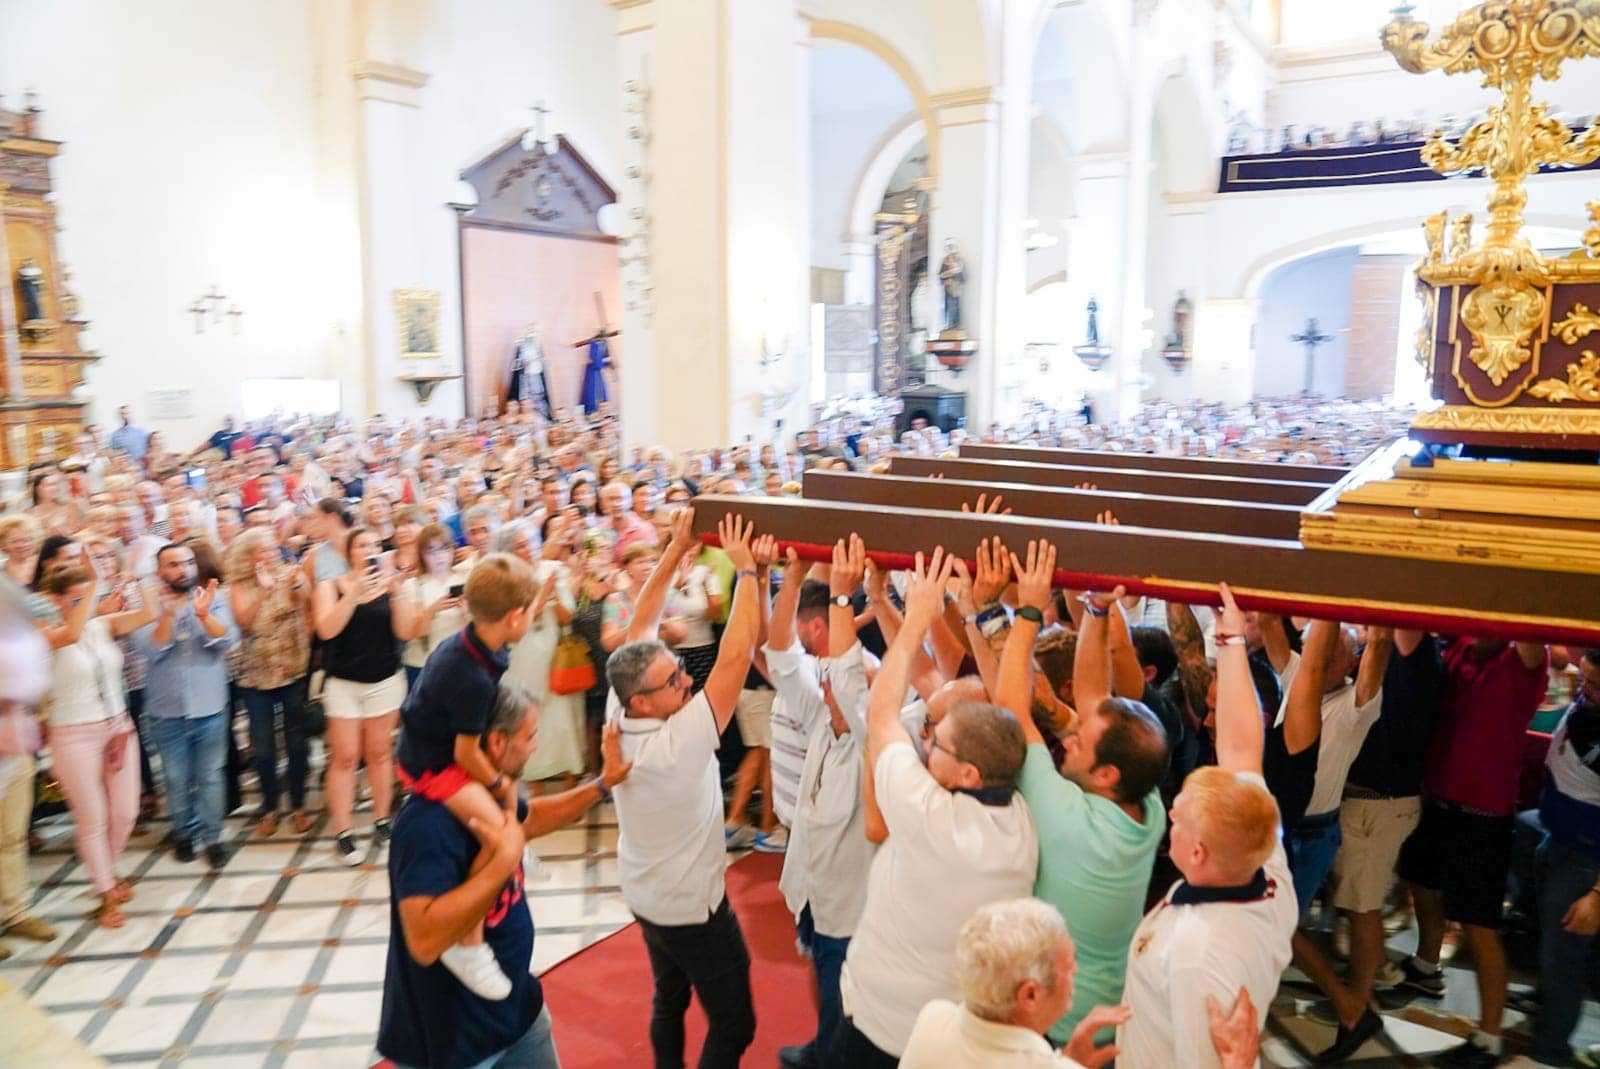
pixel 438 786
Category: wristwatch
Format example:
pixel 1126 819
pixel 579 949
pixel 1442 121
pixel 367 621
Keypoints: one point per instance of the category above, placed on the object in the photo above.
pixel 1031 614
pixel 605 792
pixel 842 600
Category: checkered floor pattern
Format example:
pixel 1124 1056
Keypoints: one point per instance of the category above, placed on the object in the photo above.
pixel 276 960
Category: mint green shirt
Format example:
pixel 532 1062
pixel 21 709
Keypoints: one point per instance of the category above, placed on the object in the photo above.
pixel 1094 866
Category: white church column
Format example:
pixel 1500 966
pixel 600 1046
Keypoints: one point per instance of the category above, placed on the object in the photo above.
pixel 1134 328
pixel 964 211
pixel 1096 249
pixel 728 208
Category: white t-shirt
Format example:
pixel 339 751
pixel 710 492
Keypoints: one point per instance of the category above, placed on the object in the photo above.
pixel 947 854
pixel 86 684
pixel 670 854
pixel 1344 729
pixel 422 591
pixel 1184 951
pixel 797 678
pixel 692 605
pixel 946 1036
pixel 829 855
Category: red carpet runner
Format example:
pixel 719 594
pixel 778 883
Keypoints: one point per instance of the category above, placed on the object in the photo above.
pixel 600 997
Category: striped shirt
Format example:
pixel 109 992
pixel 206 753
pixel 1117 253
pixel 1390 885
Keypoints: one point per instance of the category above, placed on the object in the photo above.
pixel 797 677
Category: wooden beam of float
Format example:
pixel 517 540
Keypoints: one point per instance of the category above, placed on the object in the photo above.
pixel 1173 484
pixel 1248 469
pixel 1245 519
pixel 1270 575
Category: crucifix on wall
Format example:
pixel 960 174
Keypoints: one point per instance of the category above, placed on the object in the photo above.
pixel 1311 338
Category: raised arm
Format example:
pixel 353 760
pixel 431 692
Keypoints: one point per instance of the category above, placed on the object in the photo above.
pixel 744 622
pixel 1240 735
pixel 780 625
pixel 1275 639
pixel 653 595
pixel 1014 688
pixel 1302 716
pixel 1374 663
pixel 844 576
pixel 1091 663
pixel 1193 671
pixel 1127 674
pixel 1531 654
pixel 924 601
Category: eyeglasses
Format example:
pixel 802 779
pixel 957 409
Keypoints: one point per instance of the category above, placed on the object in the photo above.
pixel 935 744
pixel 675 681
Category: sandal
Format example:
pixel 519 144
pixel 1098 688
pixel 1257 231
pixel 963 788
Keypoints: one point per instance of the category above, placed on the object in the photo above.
pixel 107 915
pixel 122 892
pixel 302 821
pixel 267 826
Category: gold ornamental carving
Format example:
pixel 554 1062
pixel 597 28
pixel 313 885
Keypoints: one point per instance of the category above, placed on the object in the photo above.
pixel 1502 318
pixel 1582 382
pixel 1540 421
pixel 1578 324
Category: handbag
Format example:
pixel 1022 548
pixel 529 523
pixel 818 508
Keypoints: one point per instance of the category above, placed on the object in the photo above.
pixel 313 714
pixel 572 667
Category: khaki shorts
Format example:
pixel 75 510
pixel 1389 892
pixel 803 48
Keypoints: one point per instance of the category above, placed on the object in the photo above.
pixel 753 711
pixel 349 700
pixel 1374 830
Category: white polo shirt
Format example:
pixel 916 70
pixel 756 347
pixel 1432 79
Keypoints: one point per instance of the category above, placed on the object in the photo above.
pixel 828 857
pixel 1192 945
pixel 670 856
pixel 947 854
pixel 946 1036
pixel 797 678
pixel 1344 729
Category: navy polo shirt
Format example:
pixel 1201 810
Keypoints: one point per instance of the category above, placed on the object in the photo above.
pixel 453 696
pixel 428 1017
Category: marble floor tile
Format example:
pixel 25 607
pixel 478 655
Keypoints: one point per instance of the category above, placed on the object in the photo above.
pixel 292 924
pixel 244 1020
pixel 239 890
pixel 274 967
pixel 357 965
pixel 177 975
pixel 141 1028
pixel 320 887
pixel 212 929
pixel 83 981
pixel 341 1013
pixel 134 936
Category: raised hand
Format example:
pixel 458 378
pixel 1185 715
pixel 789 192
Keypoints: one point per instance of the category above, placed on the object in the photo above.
pixel 203 597
pixel 990 509
pixel 1104 601
pixel 1034 577
pixel 877 582
pixel 1233 618
pixel 1107 519
pixel 964 598
pixel 765 551
pixel 849 565
pixel 734 532
pixel 680 538
pixel 925 591
pixel 994 571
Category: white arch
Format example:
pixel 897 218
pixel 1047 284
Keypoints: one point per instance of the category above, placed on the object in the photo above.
pixel 866 196
pixel 1264 265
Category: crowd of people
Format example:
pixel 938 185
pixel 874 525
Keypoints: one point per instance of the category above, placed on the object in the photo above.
pixel 1112 817
pixel 1248 138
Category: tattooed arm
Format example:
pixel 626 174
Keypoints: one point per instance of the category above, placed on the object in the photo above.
pixel 1197 676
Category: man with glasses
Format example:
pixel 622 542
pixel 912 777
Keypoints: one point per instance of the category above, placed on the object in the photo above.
pixel 670 855
pixel 959 837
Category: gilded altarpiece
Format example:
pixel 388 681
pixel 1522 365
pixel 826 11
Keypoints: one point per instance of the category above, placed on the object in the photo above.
pixel 42 358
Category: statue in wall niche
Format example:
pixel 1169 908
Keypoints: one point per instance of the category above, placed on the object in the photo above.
pixel 528 385
pixel 953 277
pixel 1182 336
pixel 1093 333
pixel 30 280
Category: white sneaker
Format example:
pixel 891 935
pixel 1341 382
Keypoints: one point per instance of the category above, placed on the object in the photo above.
pixel 477 970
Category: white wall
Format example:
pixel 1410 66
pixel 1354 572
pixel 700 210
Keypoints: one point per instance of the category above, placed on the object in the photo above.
pixel 222 149
pixel 1318 286
pixel 191 159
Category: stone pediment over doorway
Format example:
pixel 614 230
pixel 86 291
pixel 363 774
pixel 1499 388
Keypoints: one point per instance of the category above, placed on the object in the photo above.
pixel 540 191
